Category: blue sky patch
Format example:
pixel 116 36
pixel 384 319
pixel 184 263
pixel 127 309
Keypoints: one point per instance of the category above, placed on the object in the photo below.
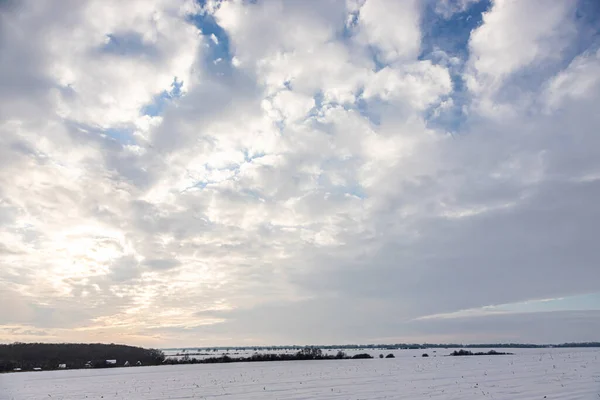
pixel 121 135
pixel 249 157
pixel 445 41
pixel 218 57
pixel 159 102
pixel 450 34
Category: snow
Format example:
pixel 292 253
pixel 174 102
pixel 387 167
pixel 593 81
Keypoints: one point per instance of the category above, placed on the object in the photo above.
pixel 529 374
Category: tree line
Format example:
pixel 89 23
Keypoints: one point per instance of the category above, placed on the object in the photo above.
pixel 49 356
pixel 305 353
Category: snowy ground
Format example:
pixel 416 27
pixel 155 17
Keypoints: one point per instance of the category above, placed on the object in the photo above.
pixel 529 374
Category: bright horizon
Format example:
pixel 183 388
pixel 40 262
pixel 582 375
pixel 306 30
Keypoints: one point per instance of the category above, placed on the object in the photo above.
pixel 219 173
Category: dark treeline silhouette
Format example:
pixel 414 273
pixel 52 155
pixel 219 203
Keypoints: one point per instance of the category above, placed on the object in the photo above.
pixel 27 356
pixel 470 353
pixel 306 353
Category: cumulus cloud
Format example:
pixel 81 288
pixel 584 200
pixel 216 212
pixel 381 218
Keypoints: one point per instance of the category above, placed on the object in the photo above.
pixel 277 172
pixel 392 27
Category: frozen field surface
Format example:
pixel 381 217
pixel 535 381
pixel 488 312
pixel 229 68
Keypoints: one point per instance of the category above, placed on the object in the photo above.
pixel 529 374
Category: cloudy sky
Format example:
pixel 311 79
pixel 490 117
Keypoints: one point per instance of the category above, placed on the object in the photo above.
pixel 183 173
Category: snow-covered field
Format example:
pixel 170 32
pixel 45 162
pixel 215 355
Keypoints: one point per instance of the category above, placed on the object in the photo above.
pixel 529 374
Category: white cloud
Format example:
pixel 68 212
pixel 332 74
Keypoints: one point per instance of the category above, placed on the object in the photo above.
pixel 85 56
pixel 289 105
pixel 510 53
pixel 305 184
pixel 509 39
pixel 578 81
pixel 392 27
pixel 420 84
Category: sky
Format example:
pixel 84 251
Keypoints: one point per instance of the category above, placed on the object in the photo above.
pixel 203 173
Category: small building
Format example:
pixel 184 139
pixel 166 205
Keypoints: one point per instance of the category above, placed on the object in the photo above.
pixel 111 362
pixel 126 364
pixel 37 369
pixel 62 366
pixel 139 363
pixel 88 364
pixel 17 370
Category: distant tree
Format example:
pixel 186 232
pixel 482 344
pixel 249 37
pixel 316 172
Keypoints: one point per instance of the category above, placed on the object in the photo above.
pixel 310 353
pixel 390 356
pixel 470 353
pixel 340 355
pixel 425 355
pixel 381 356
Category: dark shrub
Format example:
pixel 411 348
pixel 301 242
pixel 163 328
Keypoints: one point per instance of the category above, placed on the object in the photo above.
pixel 362 356
pixel 470 353
pixel 461 353
pixel 425 355
pixel 381 356
pixel 390 356
pixel 310 353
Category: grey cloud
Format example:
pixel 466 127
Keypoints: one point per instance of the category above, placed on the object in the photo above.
pixel 342 229
pixel 124 269
pixel 20 310
pixel 228 98
pixel 280 324
pixel 542 248
pixel 162 264
pixel 129 44
pixel 544 327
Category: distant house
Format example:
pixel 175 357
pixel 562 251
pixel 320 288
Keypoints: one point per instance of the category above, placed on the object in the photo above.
pixel 126 364
pixel 88 364
pixel 139 363
pixel 37 369
pixel 111 362
pixel 17 369
pixel 62 366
